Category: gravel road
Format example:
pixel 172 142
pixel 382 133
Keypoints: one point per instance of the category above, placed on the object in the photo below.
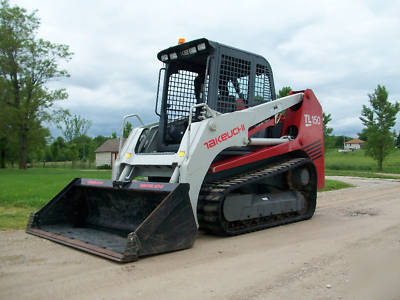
pixel 350 249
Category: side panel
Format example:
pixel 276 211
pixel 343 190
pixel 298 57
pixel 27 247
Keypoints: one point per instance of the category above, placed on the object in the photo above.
pixel 219 133
pixel 307 119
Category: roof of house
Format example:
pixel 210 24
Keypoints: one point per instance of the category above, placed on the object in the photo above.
pixel 355 141
pixel 111 145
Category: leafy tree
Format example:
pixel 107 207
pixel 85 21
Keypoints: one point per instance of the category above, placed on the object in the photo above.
pixel 378 120
pixel 127 129
pixel 3 151
pixel 83 144
pixel 326 118
pixel 284 91
pixel 59 150
pixel 114 135
pixel 27 63
pixel 72 126
pixel 339 140
pixel 99 140
pixel 398 141
pixel 7 135
pixel 73 153
pixel 92 155
pixel 363 135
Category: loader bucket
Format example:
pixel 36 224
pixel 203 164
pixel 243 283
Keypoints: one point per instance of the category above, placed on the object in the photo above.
pixel 119 223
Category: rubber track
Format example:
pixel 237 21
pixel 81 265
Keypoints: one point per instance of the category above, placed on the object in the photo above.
pixel 212 195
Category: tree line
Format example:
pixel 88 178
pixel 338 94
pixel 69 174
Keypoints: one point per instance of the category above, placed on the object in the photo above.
pixel 74 145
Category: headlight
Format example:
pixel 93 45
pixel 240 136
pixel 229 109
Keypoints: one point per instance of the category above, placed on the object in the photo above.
pixel 201 46
pixel 164 57
pixel 192 50
pixel 173 55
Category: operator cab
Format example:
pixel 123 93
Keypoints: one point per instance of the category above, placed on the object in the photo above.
pixel 202 71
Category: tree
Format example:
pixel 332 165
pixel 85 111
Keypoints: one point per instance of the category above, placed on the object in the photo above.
pixel 398 141
pixel 127 129
pixel 363 135
pixel 73 153
pixel 284 91
pixel 27 63
pixel 99 140
pixel 339 140
pixel 326 118
pixel 379 120
pixel 72 126
pixel 59 150
pixel 83 144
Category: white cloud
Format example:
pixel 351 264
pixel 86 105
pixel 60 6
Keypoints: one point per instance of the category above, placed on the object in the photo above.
pixel 340 49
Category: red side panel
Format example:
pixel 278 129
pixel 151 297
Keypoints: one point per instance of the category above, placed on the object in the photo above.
pixel 308 121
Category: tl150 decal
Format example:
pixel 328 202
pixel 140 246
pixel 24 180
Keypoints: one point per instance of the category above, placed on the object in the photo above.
pixel 311 120
pixel 224 136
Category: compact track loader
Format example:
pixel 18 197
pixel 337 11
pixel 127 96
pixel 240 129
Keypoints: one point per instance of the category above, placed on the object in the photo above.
pixel 226 156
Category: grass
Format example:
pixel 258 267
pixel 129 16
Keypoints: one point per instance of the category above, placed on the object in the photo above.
pixel 22 192
pixel 14 217
pixel 331 185
pixel 360 174
pixel 358 161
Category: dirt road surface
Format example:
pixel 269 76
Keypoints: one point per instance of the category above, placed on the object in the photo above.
pixel 350 249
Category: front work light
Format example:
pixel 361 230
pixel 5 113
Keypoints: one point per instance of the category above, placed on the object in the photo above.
pixel 164 57
pixel 192 50
pixel 201 46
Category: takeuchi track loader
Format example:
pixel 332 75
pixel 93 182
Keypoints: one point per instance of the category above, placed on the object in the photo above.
pixel 226 156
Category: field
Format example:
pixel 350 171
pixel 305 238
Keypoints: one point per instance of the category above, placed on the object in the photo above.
pixel 22 192
pixel 331 185
pixel 358 161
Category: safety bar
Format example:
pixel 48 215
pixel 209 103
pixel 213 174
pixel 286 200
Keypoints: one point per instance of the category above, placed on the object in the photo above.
pixel 158 91
pixel 123 127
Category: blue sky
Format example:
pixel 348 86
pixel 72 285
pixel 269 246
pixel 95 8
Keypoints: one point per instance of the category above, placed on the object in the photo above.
pixel 340 49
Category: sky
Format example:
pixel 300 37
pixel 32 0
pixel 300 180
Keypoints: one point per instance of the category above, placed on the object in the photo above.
pixel 340 49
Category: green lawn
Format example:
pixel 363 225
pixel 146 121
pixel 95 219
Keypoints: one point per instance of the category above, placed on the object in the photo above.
pixel 34 187
pixel 358 161
pixel 22 192
pixel 331 185
pixel 366 174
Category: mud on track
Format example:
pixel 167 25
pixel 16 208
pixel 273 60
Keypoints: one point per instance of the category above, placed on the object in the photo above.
pixel 350 249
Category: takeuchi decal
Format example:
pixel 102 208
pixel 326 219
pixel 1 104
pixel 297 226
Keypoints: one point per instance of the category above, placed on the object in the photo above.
pixel 224 136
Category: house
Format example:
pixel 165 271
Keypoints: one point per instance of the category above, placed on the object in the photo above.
pixel 354 144
pixel 107 153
